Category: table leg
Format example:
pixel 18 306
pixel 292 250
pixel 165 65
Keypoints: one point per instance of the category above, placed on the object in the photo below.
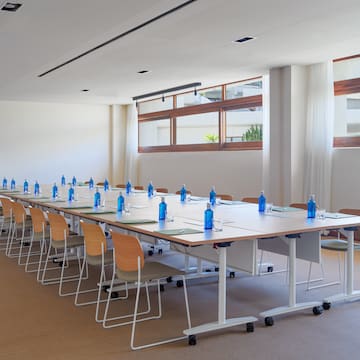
pixel 222 322
pixel 292 306
pixel 349 294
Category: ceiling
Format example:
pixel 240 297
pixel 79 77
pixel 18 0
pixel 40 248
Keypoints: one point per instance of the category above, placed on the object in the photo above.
pixel 192 44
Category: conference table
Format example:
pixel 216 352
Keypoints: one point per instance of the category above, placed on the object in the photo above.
pixel 234 244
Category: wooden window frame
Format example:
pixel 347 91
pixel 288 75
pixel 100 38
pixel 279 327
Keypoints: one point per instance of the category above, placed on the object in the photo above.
pixel 343 87
pixel 217 106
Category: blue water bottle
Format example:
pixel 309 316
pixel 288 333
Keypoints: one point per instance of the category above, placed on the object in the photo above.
pixel 106 185
pixel 311 207
pixel 162 209
pixel 54 191
pixel 36 188
pixel 97 198
pixel 73 181
pixel 208 217
pixel 71 194
pixel 5 183
pixel 128 187
pixel 91 183
pixel 183 193
pixel 12 184
pixel 212 196
pixel 63 181
pixel 26 186
pixel 262 202
pixel 120 203
pixel 150 190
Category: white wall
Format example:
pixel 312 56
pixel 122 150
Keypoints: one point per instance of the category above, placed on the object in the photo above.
pixel 238 173
pixel 346 179
pixel 42 141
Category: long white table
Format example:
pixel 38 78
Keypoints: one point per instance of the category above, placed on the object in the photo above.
pixel 242 223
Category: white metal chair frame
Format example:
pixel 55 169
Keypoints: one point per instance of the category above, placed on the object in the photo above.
pixel 64 262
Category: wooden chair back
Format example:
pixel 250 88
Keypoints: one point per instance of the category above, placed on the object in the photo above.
pixel 299 205
pixel 94 237
pixel 58 227
pixel 6 206
pixel 38 220
pixel 249 199
pixel 127 250
pixel 19 213
pixel 162 190
pixel 224 197
pixel 138 187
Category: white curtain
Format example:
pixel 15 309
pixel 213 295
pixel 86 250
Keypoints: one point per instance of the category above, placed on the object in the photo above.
pixel 319 134
pixel 131 151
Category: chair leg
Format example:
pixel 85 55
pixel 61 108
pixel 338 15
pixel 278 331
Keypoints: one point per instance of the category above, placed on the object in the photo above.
pixel 135 320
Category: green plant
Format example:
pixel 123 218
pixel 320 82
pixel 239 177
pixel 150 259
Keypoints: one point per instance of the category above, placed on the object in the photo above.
pixel 212 138
pixel 254 133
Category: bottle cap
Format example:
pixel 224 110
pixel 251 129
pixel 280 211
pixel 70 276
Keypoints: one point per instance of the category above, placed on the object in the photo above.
pixel 163 199
pixel 208 206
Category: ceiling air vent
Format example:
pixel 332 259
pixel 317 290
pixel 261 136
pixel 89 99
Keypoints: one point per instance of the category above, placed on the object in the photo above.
pixel 10 6
pixel 244 39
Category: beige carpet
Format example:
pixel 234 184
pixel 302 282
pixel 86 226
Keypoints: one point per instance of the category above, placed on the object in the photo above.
pixel 37 324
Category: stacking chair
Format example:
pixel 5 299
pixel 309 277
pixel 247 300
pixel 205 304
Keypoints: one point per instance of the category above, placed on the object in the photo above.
pixel 162 190
pixel 62 240
pixel 97 255
pixel 41 235
pixel 21 225
pixel 224 197
pixel 253 200
pixel 129 266
pixel 6 222
pixel 335 241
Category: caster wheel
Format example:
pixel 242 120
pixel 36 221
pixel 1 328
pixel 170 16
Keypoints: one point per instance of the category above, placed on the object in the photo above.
pixel 114 295
pixel 169 279
pixel 216 269
pixel 26 244
pixel 326 306
pixel 150 253
pixel 270 269
pixel 179 283
pixel 54 260
pixel 250 327
pixel 232 274
pixel 160 251
pixel 162 287
pixel 105 288
pixel 317 310
pixel 207 270
pixel 60 263
pixel 192 339
pixel 269 321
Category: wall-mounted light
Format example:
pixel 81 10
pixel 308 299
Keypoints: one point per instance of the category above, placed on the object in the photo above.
pixel 162 92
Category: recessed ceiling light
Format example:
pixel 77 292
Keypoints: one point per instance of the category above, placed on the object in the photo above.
pixel 10 6
pixel 143 71
pixel 244 39
pixel 85 90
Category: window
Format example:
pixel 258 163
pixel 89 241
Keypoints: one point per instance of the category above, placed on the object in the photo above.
pixel 225 117
pixel 155 132
pixel 347 102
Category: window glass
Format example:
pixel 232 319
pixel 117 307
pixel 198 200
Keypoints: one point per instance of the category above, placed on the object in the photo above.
pixel 154 133
pixel 244 125
pixel 347 69
pixel 155 105
pixel 202 97
pixel 243 88
pixel 347 115
pixel 198 128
